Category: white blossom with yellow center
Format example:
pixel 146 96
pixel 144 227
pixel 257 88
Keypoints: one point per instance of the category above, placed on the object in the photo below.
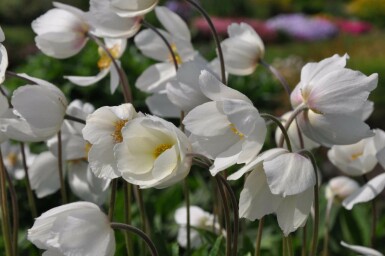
pixel 153 153
pixel 103 130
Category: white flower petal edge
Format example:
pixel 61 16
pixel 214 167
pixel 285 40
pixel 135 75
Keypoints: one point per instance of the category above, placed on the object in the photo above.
pixel 3 62
pixel 132 8
pixel 362 249
pixel 366 193
pixel 173 23
pixel 2 37
pixel 79 228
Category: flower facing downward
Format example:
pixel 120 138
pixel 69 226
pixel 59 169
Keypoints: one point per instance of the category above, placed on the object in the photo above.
pixel 333 94
pixel 79 228
pixel 153 153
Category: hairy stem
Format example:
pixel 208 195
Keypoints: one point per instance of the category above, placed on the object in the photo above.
pixel 60 165
pixel 30 195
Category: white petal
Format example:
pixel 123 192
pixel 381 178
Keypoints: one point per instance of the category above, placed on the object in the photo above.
pixel 289 174
pixel 155 77
pixel 151 45
pixel 3 62
pixel 366 193
pixel 172 23
pixel 2 37
pixel 160 105
pixel 132 8
pixel 102 161
pixel 114 78
pixel 226 158
pixel 88 80
pixel 362 249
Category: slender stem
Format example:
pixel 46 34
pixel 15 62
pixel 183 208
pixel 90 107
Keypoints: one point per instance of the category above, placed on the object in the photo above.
pixel 234 203
pixel 142 210
pixel 5 224
pixel 374 218
pixel 60 165
pixel 278 75
pixel 284 246
pixel 289 245
pixel 74 118
pixel 187 198
pixel 259 237
pixel 2 91
pixel 325 250
pixel 122 76
pixel 30 195
pixel 283 130
pixel 164 39
pixel 138 232
pixel 13 74
pixel 127 215
pixel 295 113
pixel 15 211
pixel 111 207
pixel 304 240
pixel 226 214
pixel 216 38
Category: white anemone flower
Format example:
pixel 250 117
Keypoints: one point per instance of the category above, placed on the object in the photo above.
pixel 228 129
pixel 362 250
pixel 199 219
pixel 61 32
pixel 103 131
pixel 104 22
pixel 339 188
pixel 3 57
pixel 242 50
pixel 79 228
pixel 116 48
pixel 293 133
pixel 132 8
pixel 280 183
pixel 359 158
pixel 366 193
pixel 153 153
pixel 39 112
pixel 332 95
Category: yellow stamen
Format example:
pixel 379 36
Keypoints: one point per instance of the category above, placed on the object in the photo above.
pixel 177 56
pixel 105 61
pixel 235 131
pixel 160 149
pixel 12 159
pixel 117 134
pixel 87 148
pixel 356 155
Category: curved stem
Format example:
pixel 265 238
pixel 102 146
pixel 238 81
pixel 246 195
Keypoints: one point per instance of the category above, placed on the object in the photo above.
pixel 164 39
pixel 74 118
pixel 259 237
pixel 234 203
pixel 111 207
pixel 2 91
pixel 15 75
pixel 15 212
pixel 30 195
pixel 226 214
pixel 283 130
pixel 216 38
pixel 295 113
pixel 278 75
pixel 60 165
pixel 122 76
pixel 5 224
pixel 139 199
pixel 138 232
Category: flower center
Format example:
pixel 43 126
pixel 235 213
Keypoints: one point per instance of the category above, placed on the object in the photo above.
pixel 117 134
pixel 160 149
pixel 235 131
pixel 177 56
pixel 356 156
pixel 105 61
pixel 12 159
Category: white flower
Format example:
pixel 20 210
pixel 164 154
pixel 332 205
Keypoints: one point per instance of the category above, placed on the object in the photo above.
pixel 104 22
pixel 12 159
pixel 228 128
pixel 153 153
pixel 116 48
pixel 359 158
pixel 3 60
pixel 2 37
pixel 367 192
pixel 198 219
pixel 340 188
pixel 61 32
pixel 293 133
pixel 103 132
pixel 79 228
pixel 362 250
pixel 242 50
pixel 333 94
pixel 132 8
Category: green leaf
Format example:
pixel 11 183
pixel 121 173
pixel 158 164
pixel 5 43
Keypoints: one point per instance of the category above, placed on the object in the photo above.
pixel 217 246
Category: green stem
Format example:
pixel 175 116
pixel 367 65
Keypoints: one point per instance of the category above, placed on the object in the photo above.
pixel 122 76
pixel 187 198
pixel 292 117
pixel 15 75
pixel 259 237
pixel 127 216
pixel 289 245
pixel 111 207
pixel 74 118
pixel 374 218
pixel 325 250
pixel 143 215
pixel 60 165
pixel 15 212
pixel 5 210
pixel 30 195
pixel 138 232
pixel 281 127
pixel 304 240
pixel 275 72
pixel 216 38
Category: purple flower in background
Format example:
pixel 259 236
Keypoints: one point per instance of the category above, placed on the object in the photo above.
pixel 183 9
pixel 302 27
